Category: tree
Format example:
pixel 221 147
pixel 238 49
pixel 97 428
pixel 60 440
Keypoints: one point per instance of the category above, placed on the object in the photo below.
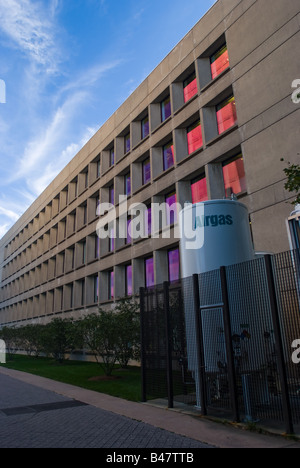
pixel 31 339
pixel 128 326
pixel 58 338
pixel 100 335
pixel 293 180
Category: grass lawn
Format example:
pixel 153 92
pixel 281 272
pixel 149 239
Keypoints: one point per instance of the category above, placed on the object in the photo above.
pixel 126 383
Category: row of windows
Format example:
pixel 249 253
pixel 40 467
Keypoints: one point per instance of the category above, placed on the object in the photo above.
pixel 92 248
pixel 94 289
pixel 140 129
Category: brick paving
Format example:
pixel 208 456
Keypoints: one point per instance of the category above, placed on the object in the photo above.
pixel 32 417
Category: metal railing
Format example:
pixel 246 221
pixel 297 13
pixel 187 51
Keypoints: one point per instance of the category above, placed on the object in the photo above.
pixel 222 341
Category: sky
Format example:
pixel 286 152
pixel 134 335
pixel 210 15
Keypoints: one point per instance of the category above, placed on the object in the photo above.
pixel 65 67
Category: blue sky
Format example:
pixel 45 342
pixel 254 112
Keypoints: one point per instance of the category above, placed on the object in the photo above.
pixel 68 65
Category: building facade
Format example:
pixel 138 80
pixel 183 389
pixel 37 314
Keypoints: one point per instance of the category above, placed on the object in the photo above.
pixel 213 119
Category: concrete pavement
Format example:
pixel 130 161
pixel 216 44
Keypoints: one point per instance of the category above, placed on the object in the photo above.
pixel 44 416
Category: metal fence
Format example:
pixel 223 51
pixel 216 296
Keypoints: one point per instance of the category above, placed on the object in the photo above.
pixel 222 341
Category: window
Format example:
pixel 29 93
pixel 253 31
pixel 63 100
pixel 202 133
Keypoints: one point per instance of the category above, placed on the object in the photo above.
pixel 219 62
pixel 127 143
pixel 171 200
pixel 234 176
pixel 98 169
pixel 174 265
pixel 145 127
pixel 128 280
pixel 149 272
pixel 111 240
pixel 194 137
pixel 111 195
pixel 168 156
pixel 127 180
pixel 165 109
pixel 199 190
pixel 190 87
pixel 83 252
pixel 96 289
pixel 128 238
pixel 82 287
pixel 112 157
pixel 148 221
pixel 226 114
pixel 146 172
pixel 97 247
pixel 111 285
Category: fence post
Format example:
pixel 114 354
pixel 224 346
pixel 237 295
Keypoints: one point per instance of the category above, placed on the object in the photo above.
pixel 200 345
pixel 168 345
pixel 229 348
pixel 143 354
pixel 286 404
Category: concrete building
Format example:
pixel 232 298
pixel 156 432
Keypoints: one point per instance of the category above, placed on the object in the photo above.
pixel 214 118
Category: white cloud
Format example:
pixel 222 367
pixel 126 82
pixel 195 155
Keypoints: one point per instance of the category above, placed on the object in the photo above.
pixel 28 24
pixel 9 214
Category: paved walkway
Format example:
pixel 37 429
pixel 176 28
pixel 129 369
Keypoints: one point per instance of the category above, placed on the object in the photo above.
pixel 38 412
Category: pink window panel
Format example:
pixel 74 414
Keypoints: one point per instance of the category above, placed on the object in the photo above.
pixel 219 65
pixel 234 177
pixel 149 265
pixel 199 191
pixel 190 90
pixel 226 117
pixel 195 140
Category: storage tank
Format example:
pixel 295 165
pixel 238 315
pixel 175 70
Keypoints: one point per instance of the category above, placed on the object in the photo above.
pixel 213 234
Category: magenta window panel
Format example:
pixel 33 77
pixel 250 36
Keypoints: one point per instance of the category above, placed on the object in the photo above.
pixel 234 177
pixel 199 191
pixel 226 115
pixel 219 62
pixel 168 155
pixel 194 137
pixel 129 289
pixel 190 88
pixel 174 265
pixel 149 267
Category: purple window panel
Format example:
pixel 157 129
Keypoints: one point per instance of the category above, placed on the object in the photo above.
pixel 111 285
pixel 129 288
pixel 129 238
pixel 168 155
pixel 148 221
pixel 172 200
pixel 146 172
pixel 149 266
pixel 112 196
pixel 166 109
pixel 145 127
pixel 174 265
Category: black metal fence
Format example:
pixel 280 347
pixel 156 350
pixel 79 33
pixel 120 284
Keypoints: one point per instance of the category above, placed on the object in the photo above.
pixel 222 341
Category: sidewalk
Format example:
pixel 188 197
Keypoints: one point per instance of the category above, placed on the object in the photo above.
pixel 202 430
